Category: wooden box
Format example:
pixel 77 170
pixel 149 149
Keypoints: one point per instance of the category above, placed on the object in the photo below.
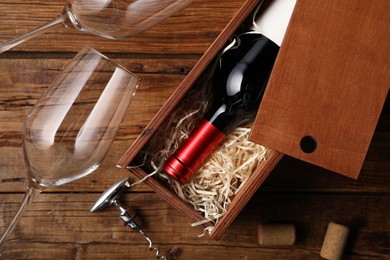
pixel 284 132
pixel 161 188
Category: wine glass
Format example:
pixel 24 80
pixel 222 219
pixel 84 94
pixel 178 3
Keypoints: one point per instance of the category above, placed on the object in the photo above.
pixel 114 19
pixel 70 129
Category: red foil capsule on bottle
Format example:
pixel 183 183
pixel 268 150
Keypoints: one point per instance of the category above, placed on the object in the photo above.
pixel 194 151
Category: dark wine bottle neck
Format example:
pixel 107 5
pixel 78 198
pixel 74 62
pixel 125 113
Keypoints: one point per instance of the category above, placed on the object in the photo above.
pixel 240 81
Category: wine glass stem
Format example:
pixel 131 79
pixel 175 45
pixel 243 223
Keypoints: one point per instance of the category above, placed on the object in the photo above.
pixel 5 46
pixel 29 196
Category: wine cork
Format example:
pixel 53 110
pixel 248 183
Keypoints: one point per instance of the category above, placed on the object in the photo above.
pixel 276 234
pixel 334 241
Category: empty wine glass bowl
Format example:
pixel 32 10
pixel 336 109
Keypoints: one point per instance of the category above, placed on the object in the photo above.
pixel 114 19
pixel 72 126
pixel 119 19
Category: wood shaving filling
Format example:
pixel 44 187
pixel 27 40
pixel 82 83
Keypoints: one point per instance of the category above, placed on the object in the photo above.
pixel 212 188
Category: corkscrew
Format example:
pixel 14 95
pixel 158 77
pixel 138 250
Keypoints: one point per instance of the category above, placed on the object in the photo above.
pixel 128 215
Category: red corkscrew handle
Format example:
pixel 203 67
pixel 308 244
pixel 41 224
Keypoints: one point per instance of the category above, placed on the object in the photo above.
pixel 202 141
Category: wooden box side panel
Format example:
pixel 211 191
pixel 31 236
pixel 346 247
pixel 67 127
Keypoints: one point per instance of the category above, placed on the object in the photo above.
pixel 239 201
pixel 330 82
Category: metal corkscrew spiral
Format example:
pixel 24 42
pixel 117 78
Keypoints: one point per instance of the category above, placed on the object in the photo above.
pixel 151 246
pixel 128 215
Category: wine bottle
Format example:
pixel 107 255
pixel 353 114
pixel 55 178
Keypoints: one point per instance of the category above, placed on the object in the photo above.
pixel 238 83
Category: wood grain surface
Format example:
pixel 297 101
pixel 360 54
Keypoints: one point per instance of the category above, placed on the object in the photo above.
pixel 59 224
pixel 329 83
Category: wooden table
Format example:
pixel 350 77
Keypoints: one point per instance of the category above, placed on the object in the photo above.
pixel 59 225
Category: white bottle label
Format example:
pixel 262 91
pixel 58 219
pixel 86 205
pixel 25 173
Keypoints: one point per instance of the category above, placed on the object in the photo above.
pixel 272 22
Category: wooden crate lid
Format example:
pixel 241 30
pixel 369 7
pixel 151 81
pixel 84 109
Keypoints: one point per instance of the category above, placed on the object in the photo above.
pixel 329 84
